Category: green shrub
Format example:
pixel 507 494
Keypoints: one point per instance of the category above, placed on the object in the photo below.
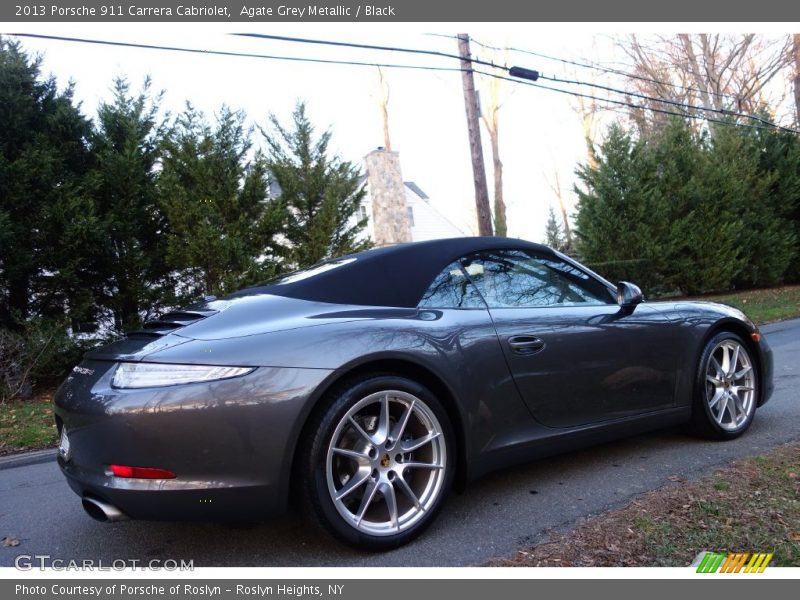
pixel 41 352
pixel 691 213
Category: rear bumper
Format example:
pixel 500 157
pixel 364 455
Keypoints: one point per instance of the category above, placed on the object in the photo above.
pixel 165 501
pixel 230 443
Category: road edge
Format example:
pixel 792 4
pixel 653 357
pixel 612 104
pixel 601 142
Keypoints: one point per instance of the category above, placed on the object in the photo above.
pixel 24 459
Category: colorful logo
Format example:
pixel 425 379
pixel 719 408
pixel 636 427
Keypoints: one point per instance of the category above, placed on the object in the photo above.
pixel 714 562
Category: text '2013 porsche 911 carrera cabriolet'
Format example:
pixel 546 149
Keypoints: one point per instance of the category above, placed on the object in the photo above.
pixel 370 385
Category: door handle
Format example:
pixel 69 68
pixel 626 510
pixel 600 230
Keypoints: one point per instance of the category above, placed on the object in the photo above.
pixel 525 344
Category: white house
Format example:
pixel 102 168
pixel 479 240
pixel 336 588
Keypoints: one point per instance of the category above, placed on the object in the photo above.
pixel 399 211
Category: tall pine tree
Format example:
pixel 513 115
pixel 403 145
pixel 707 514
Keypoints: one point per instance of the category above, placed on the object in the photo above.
pixel 682 211
pixel 321 192
pixel 46 219
pixel 222 227
pixel 554 232
pixel 134 277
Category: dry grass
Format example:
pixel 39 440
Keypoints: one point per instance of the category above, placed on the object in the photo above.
pixel 751 506
pixel 766 305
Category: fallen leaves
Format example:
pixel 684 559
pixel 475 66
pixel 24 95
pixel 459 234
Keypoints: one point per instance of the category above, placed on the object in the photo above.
pixel 10 541
pixel 760 508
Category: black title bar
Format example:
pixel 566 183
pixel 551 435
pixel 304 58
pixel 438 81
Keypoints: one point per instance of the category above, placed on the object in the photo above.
pixel 122 11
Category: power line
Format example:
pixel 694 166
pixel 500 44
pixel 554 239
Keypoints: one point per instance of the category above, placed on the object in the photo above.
pixel 235 54
pixel 399 66
pixel 675 103
pixel 630 104
pixel 284 38
pixel 623 73
pixel 595 66
pixel 666 101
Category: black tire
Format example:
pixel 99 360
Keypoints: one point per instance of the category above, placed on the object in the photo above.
pixel 706 421
pixel 386 468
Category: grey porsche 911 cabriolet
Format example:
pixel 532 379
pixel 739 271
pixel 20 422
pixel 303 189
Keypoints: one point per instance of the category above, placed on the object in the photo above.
pixel 368 386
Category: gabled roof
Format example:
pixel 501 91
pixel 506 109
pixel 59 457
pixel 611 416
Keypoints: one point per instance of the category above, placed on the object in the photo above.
pixel 416 189
pixel 409 184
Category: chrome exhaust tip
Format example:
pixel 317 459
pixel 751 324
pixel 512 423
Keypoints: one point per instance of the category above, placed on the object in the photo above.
pixel 102 511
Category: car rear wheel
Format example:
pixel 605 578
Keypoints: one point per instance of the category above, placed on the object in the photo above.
pixel 726 391
pixel 379 462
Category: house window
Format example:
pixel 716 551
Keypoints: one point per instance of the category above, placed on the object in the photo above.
pixel 87 326
pixel 410 216
pixel 362 212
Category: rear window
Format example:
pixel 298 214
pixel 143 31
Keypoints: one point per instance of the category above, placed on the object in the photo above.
pixel 310 272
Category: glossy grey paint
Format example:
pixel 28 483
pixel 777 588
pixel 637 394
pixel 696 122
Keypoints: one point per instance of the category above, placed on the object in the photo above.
pixel 226 439
pixel 232 443
pixel 596 363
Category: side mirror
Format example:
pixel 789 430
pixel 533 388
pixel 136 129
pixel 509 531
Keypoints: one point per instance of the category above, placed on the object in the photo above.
pixel 629 295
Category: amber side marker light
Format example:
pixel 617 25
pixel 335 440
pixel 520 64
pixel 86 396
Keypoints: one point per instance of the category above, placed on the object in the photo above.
pixel 755 336
pixel 141 472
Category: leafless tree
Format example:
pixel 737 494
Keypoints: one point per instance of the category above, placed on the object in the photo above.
pixel 382 98
pixel 491 97
pixel 555 185
pixel 796 82
pixel 589 110
pixel 719 72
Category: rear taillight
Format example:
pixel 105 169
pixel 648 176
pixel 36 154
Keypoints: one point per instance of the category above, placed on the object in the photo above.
pixel 141 472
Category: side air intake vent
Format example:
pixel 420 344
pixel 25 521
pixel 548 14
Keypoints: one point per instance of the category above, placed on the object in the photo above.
pixel 169 322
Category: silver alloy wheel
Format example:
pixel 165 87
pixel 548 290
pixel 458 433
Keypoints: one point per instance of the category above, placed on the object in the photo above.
pixel 386 463
pixel 730 384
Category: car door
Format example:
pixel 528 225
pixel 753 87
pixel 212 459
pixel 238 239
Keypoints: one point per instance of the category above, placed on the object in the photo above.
pixel 457 323
pixel 576 356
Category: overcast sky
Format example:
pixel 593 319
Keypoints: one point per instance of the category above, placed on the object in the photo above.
pixel 540 131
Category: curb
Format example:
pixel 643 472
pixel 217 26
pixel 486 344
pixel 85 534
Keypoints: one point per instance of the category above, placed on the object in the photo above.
pixel 28 458
pixel 780 325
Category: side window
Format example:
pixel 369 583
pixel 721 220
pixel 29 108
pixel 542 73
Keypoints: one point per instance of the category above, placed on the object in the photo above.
pixel 452 289
pixel 513 278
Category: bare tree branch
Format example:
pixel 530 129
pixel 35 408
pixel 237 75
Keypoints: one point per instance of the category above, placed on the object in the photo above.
pixel 712 71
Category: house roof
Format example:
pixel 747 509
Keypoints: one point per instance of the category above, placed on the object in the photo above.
pixel 411 185
pixel 416 189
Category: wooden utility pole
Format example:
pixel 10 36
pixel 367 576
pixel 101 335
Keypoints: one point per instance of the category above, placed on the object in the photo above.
pixel 475 148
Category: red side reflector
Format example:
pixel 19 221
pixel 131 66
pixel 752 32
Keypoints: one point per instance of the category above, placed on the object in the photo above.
pixel 755 336
pixel 141 472
pixel 120 471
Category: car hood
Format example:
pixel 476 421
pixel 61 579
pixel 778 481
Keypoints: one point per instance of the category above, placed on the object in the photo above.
pixel 236 317
pixel 700 309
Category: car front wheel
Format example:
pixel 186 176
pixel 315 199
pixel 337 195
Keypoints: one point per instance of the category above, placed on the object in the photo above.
pixel 380 462
pixel 726 392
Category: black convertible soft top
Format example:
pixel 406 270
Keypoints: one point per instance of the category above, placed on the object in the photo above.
pixel 390 276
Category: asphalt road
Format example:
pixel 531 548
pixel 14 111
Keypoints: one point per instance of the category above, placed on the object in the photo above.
pixel 493 517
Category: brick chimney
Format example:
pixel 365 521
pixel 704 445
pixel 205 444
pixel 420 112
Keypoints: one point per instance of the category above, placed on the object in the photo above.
pixel 387 191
